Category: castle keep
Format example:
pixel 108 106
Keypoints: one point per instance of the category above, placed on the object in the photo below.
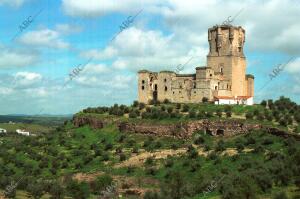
pixel 223 79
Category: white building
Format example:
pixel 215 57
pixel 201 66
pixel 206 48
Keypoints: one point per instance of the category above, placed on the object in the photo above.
pixel 3 130
pixel 22 132
pixel 243 100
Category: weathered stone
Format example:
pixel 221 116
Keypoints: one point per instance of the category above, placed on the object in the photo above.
pixel 185 130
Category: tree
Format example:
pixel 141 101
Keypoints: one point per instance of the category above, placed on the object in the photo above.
pixel 263 103
pixel 228 114
pixel 101 183
pixel 141 106
pixel 192 114
pixel 151 195
pixel 204 99
pixel 219 113
pixel 192 152
pixel 135 103
pixel 170 109
pixel 166 101
pixel 249 115
pixel 57 191
pixel 35 189
pixel 78 190
pixel 185 108
pixel 280 195
pixel 174 187
pixel 283 122
pixel 220 146
pixel 237 187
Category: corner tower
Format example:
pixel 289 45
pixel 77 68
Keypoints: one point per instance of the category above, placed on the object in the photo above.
pixel 226 56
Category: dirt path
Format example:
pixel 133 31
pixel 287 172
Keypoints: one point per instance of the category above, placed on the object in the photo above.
pixel 138 160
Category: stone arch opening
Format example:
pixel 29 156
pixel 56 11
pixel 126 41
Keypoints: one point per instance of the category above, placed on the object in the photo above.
pixel 220 132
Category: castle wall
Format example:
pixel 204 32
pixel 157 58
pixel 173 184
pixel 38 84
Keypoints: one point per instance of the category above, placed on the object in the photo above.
pixel 223 76
pixel 165 85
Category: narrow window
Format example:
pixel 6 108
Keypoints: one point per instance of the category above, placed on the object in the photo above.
pixel 143 81
pixel 165 80
pixel 210 75
pixel 143 87
pixel 166 88
pixel 216 88
pixel 194 85
pixel 155 87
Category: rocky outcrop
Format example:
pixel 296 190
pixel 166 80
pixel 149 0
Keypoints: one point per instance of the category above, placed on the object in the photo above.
pixel 185 130
pixel 93 122
pixel 281 133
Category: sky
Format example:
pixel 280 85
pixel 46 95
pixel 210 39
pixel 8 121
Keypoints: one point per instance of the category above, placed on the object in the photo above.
pixel 61 56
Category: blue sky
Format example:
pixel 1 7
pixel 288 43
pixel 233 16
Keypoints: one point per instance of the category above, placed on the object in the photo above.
pixel 35 66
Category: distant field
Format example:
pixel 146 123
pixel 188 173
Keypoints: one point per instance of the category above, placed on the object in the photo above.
pixel 41 120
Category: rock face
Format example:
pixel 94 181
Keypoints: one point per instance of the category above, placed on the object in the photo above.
pixel 93 122
pixel 185 130
pixel 182 130
pixel 278 132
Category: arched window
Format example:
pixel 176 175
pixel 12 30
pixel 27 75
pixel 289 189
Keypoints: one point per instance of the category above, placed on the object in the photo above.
pixel 166 88
pixel 216 87
pixel 221 70
pixel 155 87
pixel 165 80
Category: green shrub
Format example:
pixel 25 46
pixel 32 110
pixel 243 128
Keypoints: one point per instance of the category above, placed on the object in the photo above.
pixel 133 114
pixel 166 101
pixel 192 114
pixel 141 106
pixel 220 146
pixel 281 195
pixel 192 152
pixel 228 114
pixel 170 109
pixel 135 104
pixel 185 108
pixel 101 183
pixel 204 99
pixel 219 113
pixel 78 190
pixel 249 115
pixel 149 161
pixel 151 195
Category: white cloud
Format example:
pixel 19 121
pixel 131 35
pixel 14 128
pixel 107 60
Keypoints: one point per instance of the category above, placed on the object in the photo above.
pixel 44 38
pixel 16 58
pixel 27 79
pixel 149 49
pixel 68 28
pixel 294 67
pixel 13 3
pixel 94 8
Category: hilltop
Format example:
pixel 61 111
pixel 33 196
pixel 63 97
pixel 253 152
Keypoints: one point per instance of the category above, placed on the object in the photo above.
pixel 162 150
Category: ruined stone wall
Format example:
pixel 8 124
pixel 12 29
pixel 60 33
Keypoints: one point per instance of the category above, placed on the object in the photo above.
pixel 225 74
pixel 185 130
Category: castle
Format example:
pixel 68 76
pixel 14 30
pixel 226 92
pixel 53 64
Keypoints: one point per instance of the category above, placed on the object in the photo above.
pixel 223 80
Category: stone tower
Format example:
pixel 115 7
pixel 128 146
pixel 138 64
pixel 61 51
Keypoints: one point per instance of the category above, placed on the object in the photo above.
pixel 223 78
pixel 226 56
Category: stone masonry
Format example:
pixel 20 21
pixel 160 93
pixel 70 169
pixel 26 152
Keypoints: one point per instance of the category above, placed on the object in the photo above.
pixel 224 75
